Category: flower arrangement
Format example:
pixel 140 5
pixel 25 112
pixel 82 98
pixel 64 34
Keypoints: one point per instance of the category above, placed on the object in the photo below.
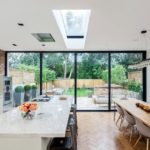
pixel 28 109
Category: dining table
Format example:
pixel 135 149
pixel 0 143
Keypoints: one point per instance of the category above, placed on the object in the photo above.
pixel 50 121
pixel 131 107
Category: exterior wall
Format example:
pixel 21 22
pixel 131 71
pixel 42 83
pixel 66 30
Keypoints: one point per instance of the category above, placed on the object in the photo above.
pixel 2 62
pixel 136 76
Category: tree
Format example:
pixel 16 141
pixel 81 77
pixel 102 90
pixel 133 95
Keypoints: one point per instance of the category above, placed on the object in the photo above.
pixel 15 59
pixel 91 65
pixel 61 63
pixel 125 59
pixel 30 59
pixel 118 75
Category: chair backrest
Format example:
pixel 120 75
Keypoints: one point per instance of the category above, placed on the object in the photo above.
pixel 73 108
pixel 119 109
pixel 129 118
pixel 142 128
pixel 73 134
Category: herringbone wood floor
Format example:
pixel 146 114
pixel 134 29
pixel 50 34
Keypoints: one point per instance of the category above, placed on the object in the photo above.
pixel 97 131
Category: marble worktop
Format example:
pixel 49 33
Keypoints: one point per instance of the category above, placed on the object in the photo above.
pixel 50 120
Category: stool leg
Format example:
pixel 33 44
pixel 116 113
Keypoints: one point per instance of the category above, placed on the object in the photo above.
pixel 147 144
pixel 125 130
pixel 118 119
pixel 137 141
pixel 122 119
pixel 131 132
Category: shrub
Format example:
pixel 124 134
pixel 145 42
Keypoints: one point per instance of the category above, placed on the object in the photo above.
pixel 19 89
pixel 125 84
pixel 48 75
pixel 105 75
pixel 134 86
pixel 118 75
pixel 34 87
pixel 27 87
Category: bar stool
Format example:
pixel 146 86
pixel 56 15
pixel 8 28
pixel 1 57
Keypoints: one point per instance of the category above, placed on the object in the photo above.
pixel 66 143
pixel 73 115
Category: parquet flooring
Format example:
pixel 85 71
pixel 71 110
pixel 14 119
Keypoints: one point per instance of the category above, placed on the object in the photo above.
pixel 97 131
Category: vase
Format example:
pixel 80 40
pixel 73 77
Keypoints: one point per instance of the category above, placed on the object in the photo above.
pixel 28 115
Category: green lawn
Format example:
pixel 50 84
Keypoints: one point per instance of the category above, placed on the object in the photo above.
pixel 80 92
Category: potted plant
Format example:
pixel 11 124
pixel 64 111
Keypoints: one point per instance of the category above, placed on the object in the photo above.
pixel 19 90
pixel 34 89
pixel 27 94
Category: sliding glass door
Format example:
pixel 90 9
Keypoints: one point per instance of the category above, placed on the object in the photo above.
pixel 92 81
pixel 58 74
pixel 126 83
pixel 24 68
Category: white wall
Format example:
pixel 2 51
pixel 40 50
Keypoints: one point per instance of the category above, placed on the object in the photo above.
pixel 148 78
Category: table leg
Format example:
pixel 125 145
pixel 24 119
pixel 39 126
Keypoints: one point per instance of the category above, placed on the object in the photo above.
pixel 114 111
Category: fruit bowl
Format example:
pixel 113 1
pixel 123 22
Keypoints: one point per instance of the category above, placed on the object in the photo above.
pixel 28 110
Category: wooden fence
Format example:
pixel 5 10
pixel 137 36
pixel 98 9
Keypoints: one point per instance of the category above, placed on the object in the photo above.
pixel 69 83
pixel 21 77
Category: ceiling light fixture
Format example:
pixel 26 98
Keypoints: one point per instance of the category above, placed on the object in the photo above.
pixel 20 24
pixel 143 31
pixel 144 63
pixel 14 44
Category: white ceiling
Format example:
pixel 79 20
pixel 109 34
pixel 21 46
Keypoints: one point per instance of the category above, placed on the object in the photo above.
pixel 114 24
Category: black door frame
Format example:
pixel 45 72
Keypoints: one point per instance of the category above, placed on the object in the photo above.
pixel 144 54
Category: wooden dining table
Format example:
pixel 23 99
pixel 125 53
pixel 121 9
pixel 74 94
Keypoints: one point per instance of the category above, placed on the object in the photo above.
pixel 50 121
pixel 130 106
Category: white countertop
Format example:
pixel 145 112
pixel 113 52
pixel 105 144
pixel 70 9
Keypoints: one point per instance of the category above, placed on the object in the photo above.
pixel 50 121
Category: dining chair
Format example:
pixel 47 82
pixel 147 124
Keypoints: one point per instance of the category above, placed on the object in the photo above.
pixel 131 123
pixel 66 143
pixel 144 131
pixel 121 115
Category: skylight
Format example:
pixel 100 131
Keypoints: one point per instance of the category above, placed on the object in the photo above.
pixel 75 22
pixel 73 25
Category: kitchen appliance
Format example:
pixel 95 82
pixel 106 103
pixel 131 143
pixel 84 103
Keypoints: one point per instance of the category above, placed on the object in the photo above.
pixel 5 93
pixel 7 90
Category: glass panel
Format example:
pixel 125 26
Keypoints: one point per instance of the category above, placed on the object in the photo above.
pixel 92 81
pixel 58 74
pixel 24 70
pixel 125 83
pixel 75 22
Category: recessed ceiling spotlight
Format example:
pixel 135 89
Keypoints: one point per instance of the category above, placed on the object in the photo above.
pixel 20 24
pixel 14 44
pixel 43 45
pixel 143 31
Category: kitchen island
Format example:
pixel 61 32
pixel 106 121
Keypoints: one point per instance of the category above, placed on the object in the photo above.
pixel 17 133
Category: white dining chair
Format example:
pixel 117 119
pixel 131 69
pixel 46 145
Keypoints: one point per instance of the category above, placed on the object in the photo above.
pixel 144 131
pixel 131 123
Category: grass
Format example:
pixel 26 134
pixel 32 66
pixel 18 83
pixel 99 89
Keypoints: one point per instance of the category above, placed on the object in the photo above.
pixel 80 92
